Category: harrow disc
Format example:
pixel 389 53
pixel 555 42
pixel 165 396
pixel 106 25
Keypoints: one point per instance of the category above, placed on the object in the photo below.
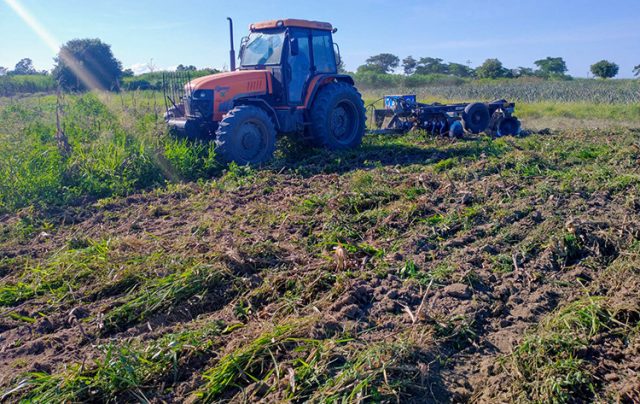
pixel 508 126
pixel 475 118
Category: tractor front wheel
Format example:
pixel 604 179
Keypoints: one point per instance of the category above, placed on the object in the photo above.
pixel 338 117
pixel 246 135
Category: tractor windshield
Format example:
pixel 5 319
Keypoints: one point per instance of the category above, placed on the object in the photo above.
pixel 262 49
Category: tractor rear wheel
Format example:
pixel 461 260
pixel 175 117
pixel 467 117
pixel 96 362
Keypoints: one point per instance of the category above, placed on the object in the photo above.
pixel 246 135
pixel 337 117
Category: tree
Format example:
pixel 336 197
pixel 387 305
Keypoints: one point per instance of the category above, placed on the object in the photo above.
pixel 459 70
pixel 409 65
pixel 605 69
pixel 87 64
pixel 551 66
pixel 431 66
pixel 367 68
pixel 127 73
pixel 190 68
pixel 151 67
pixel 3 71
pixel 491 69
pixel 383 63
pixel 636 71
pixel 24 66
pixel 524 72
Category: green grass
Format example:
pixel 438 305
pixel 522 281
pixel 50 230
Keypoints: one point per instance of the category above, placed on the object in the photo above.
pixel 616 113
pixel 119 145
pixel 25 84
pixel 244 365
pixel 123 370
pixel 257 245
pixel 308 375
pixel 163 293
pixel 550 364
pixel 60 276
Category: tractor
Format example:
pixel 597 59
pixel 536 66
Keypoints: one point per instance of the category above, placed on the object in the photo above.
pixel 287 83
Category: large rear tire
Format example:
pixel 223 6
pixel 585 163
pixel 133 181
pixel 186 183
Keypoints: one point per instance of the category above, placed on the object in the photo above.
pixel 246 135
pixel 337 117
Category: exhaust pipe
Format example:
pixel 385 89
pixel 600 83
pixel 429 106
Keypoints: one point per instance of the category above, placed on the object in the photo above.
pixel 232 52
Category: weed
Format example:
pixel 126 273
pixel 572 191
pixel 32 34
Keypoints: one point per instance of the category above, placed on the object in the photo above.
pixel 163 293
pixel 63 272
pixel 550 364
pixel 122 370
pixel 244 365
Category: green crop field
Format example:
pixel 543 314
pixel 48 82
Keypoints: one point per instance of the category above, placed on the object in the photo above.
pixel 136 268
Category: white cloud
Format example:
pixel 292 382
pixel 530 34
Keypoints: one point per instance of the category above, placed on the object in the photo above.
pixel 141 68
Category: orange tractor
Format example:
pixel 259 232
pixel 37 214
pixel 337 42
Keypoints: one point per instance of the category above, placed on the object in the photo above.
pixel 287 83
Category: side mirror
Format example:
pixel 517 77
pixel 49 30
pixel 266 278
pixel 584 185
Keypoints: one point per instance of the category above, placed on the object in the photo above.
pixel 336 52
pixel 293 44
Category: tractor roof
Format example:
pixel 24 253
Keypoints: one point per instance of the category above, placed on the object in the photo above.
pixel 290 22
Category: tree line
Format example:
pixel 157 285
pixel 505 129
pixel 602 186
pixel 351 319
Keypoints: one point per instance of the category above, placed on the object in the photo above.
pixel 106 72
pixel 550 67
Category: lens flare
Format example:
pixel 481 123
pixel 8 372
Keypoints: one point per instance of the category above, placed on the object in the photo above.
pixel 80 72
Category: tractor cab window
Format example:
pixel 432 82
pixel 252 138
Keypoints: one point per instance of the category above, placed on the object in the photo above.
pixel 262 49
pixel 323 54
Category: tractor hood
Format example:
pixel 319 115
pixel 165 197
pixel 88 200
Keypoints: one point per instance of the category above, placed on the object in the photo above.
pixel 231 86
pixel 243 80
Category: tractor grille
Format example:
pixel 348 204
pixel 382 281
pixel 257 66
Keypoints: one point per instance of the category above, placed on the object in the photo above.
pixel 199 104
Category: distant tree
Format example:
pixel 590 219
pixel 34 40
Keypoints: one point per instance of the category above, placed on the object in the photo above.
pixel 551 66
pixel 83 63
pixel 24 66
pixel 459 70
pixel 605 69
pixel 409 65
pixel 383 63
pixel 636 71
pixel 367 68
pixel 524 72
pixel 431 66
pixel 151 66
pixel 127 73
pixel 209 70
pixel 491 69
pixel 182 68
pixel 3 71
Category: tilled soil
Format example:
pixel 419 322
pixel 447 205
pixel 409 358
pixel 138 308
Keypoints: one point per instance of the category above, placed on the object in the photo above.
pixel 455 262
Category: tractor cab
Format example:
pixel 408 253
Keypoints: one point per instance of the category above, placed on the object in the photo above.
pixel 293 51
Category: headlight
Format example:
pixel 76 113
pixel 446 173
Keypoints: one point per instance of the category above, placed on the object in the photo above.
pixel 201 104
pixel 202 94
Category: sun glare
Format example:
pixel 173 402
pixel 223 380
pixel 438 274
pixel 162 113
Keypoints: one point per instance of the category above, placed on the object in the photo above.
pixel 87 79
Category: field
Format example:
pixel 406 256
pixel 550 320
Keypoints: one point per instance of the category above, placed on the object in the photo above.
pixel 414 269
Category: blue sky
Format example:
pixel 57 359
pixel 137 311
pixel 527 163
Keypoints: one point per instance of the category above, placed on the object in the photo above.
pixel 195 31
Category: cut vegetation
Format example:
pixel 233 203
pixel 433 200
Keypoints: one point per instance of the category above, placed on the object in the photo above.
pixel 411 269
